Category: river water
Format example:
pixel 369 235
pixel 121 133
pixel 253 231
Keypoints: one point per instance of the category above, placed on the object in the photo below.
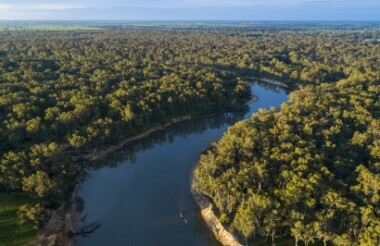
pixel 137 196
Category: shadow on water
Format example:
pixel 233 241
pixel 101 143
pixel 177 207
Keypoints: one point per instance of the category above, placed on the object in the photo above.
pixel 182 129
pixel 88 229
pixel 273 88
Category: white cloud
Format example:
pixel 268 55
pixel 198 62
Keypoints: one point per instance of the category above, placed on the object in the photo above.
pixel 44 5
pixel 33 9
pixel 38 6
pixel 4 6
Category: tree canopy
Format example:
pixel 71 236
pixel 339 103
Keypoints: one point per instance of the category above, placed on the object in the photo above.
pixel 309 169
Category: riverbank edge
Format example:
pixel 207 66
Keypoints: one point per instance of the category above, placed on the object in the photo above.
pixel 65 235
pixel 271 81
pixel 97 156
pixel 220 232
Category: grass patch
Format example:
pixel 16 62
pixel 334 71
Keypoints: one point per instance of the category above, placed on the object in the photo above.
pixel 11 232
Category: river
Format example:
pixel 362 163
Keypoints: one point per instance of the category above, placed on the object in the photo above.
pixel 137 196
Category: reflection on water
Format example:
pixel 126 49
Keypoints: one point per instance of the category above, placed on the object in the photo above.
pixel 274 88
pixel 138 194
pixel 183 129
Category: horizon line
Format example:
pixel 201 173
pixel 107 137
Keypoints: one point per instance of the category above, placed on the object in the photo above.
pixel 185 20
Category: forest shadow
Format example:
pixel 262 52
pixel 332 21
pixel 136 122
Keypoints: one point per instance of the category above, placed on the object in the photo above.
pixel 167 135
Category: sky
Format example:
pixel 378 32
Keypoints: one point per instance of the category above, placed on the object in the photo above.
pixel 190 10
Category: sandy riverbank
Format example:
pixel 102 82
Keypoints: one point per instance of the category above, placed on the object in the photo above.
pixel 271 81
pixel 220 232
pixel 259 79
pixel 206 208
pixel 98 155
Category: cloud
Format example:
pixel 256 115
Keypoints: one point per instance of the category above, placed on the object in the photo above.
pixel 38 10
pixel 44 5
pixel 38 6
pixel 58 9
pixel 361 3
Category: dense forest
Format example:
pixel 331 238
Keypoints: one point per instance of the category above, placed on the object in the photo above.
pixel 65 94
pixel 310 169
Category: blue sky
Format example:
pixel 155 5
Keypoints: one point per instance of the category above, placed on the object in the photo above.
pixel 190 9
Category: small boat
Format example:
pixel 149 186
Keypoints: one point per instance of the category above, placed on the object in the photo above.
pixel 182 216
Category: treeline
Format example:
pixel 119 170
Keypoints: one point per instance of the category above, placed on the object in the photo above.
pixel 310 169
